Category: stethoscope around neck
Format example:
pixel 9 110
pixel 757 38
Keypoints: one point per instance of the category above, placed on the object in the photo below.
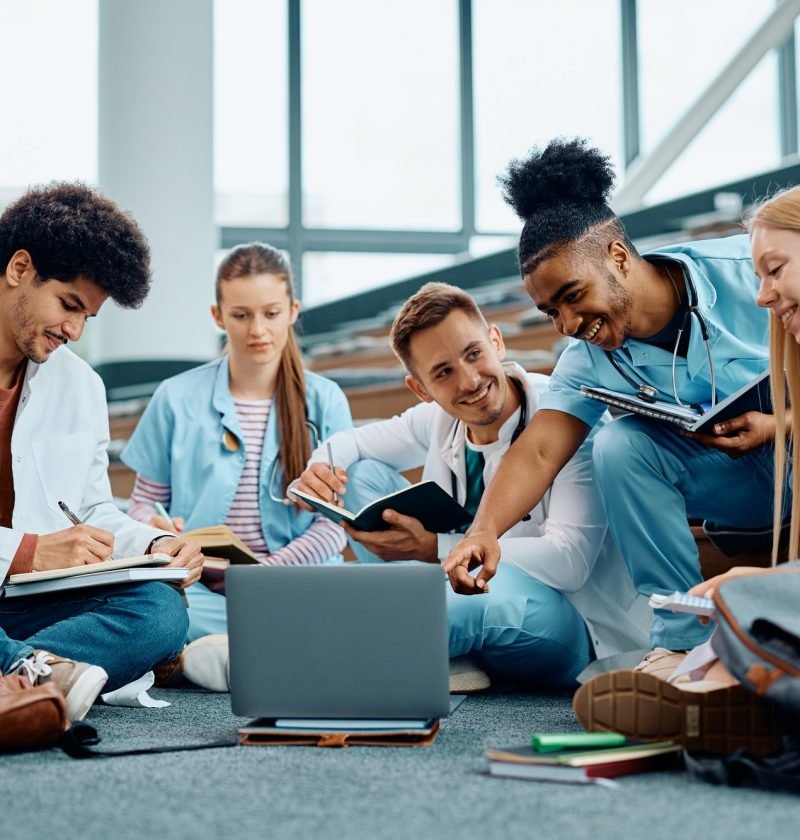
pixel 230 444
pixel 647 393
pixel 522 422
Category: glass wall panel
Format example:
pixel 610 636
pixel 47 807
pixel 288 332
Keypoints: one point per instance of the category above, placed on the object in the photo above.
pixel 541 69
pixel 251 124
pixel 48 64
pixel 381 114
pixel 743 138
pixel 330 276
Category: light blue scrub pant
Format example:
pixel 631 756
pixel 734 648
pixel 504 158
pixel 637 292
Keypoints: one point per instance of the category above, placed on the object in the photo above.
pixel 208 612
pixel 651 479
pixel 521 630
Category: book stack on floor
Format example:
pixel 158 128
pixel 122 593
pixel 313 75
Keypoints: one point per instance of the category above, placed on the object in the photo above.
pixel 582 758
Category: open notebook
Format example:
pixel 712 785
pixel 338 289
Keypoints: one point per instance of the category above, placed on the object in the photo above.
pixel 427 501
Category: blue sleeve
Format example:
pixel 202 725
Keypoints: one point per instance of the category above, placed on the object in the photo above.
pixel 574 368
pixel 148 450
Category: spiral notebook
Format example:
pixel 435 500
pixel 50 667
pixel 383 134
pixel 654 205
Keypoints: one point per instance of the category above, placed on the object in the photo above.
pixel 755 396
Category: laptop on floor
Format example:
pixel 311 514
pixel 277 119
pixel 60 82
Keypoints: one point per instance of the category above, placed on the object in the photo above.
pixel 338 642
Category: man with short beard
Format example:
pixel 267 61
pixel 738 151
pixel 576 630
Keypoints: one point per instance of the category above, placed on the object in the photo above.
pixel 65 249
pixel 676 324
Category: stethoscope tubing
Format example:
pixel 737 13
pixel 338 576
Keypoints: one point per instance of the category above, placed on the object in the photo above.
pixel 648 392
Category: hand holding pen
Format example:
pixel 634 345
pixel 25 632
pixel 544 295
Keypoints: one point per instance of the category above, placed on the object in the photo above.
pixel 321 479
pixel 333 471
pixel 74 546
pixel 165 521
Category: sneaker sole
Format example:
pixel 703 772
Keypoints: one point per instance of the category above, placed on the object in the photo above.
pixel 639 705
pixel 84 692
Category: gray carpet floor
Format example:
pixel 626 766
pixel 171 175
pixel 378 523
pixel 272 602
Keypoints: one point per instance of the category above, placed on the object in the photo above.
pixel 442 791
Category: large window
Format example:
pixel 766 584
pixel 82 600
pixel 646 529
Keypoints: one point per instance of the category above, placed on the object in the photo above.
pixel 366 137
pixel 48 68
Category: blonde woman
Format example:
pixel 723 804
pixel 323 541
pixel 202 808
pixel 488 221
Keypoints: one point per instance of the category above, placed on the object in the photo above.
pixel 775 243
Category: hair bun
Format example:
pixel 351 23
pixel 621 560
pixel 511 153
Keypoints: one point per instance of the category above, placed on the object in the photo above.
pixel 566 171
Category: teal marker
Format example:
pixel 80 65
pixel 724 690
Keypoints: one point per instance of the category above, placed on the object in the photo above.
pixel 162 512
pixel 543 742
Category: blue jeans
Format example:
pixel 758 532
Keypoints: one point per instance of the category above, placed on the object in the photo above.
pixel 521 630
pixel 651 479
pixel 127 630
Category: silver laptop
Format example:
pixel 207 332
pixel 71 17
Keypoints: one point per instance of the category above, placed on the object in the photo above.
pixel 344 641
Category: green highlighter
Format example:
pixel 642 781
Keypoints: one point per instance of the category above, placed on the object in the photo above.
pixel 544 742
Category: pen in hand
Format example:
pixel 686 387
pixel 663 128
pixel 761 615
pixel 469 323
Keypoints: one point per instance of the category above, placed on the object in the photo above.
pixel 330 464
pixel 69 514
pixel 162 512
pixel 73 519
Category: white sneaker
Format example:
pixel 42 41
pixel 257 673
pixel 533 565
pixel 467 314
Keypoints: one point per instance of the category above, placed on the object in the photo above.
pixel 205 662
pixel 466 677
pixel 79 682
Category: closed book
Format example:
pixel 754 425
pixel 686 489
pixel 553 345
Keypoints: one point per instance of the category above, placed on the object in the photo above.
pixel 581 766
pixel 427 502
pixel 643 762
pixel 86 581
pixel 221 541
pixel 529 755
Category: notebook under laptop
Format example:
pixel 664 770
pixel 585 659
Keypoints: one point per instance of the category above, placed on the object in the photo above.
pixel 346 641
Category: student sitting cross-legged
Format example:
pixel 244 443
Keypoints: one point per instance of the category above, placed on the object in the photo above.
pixel 563 595
pixel 64 250
pixel 219 443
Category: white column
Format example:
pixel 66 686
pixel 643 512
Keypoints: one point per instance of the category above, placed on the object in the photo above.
pixel 156 160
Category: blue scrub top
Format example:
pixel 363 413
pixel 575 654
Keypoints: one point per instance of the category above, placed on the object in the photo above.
pixel 178 442
pixel 738 329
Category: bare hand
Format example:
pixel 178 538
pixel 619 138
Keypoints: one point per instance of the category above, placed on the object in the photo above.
pixel 318 480
pixel 185 554
pixel 74 546
pixel 175 526
pixel 406 539
pixel 739 435
pixel 478 550
pixel 708 587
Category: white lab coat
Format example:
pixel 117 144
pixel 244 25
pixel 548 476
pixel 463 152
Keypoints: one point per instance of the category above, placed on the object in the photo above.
pixel 58 452
pixel 565 544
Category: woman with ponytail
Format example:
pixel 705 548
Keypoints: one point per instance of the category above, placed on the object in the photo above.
pixel 221 442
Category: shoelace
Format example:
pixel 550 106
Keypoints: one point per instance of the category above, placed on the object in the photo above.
pixel 33 667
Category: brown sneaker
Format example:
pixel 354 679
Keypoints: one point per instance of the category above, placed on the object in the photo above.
pixel 169 673
pixel 705 715
pixel 79 682
pixel 466 677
